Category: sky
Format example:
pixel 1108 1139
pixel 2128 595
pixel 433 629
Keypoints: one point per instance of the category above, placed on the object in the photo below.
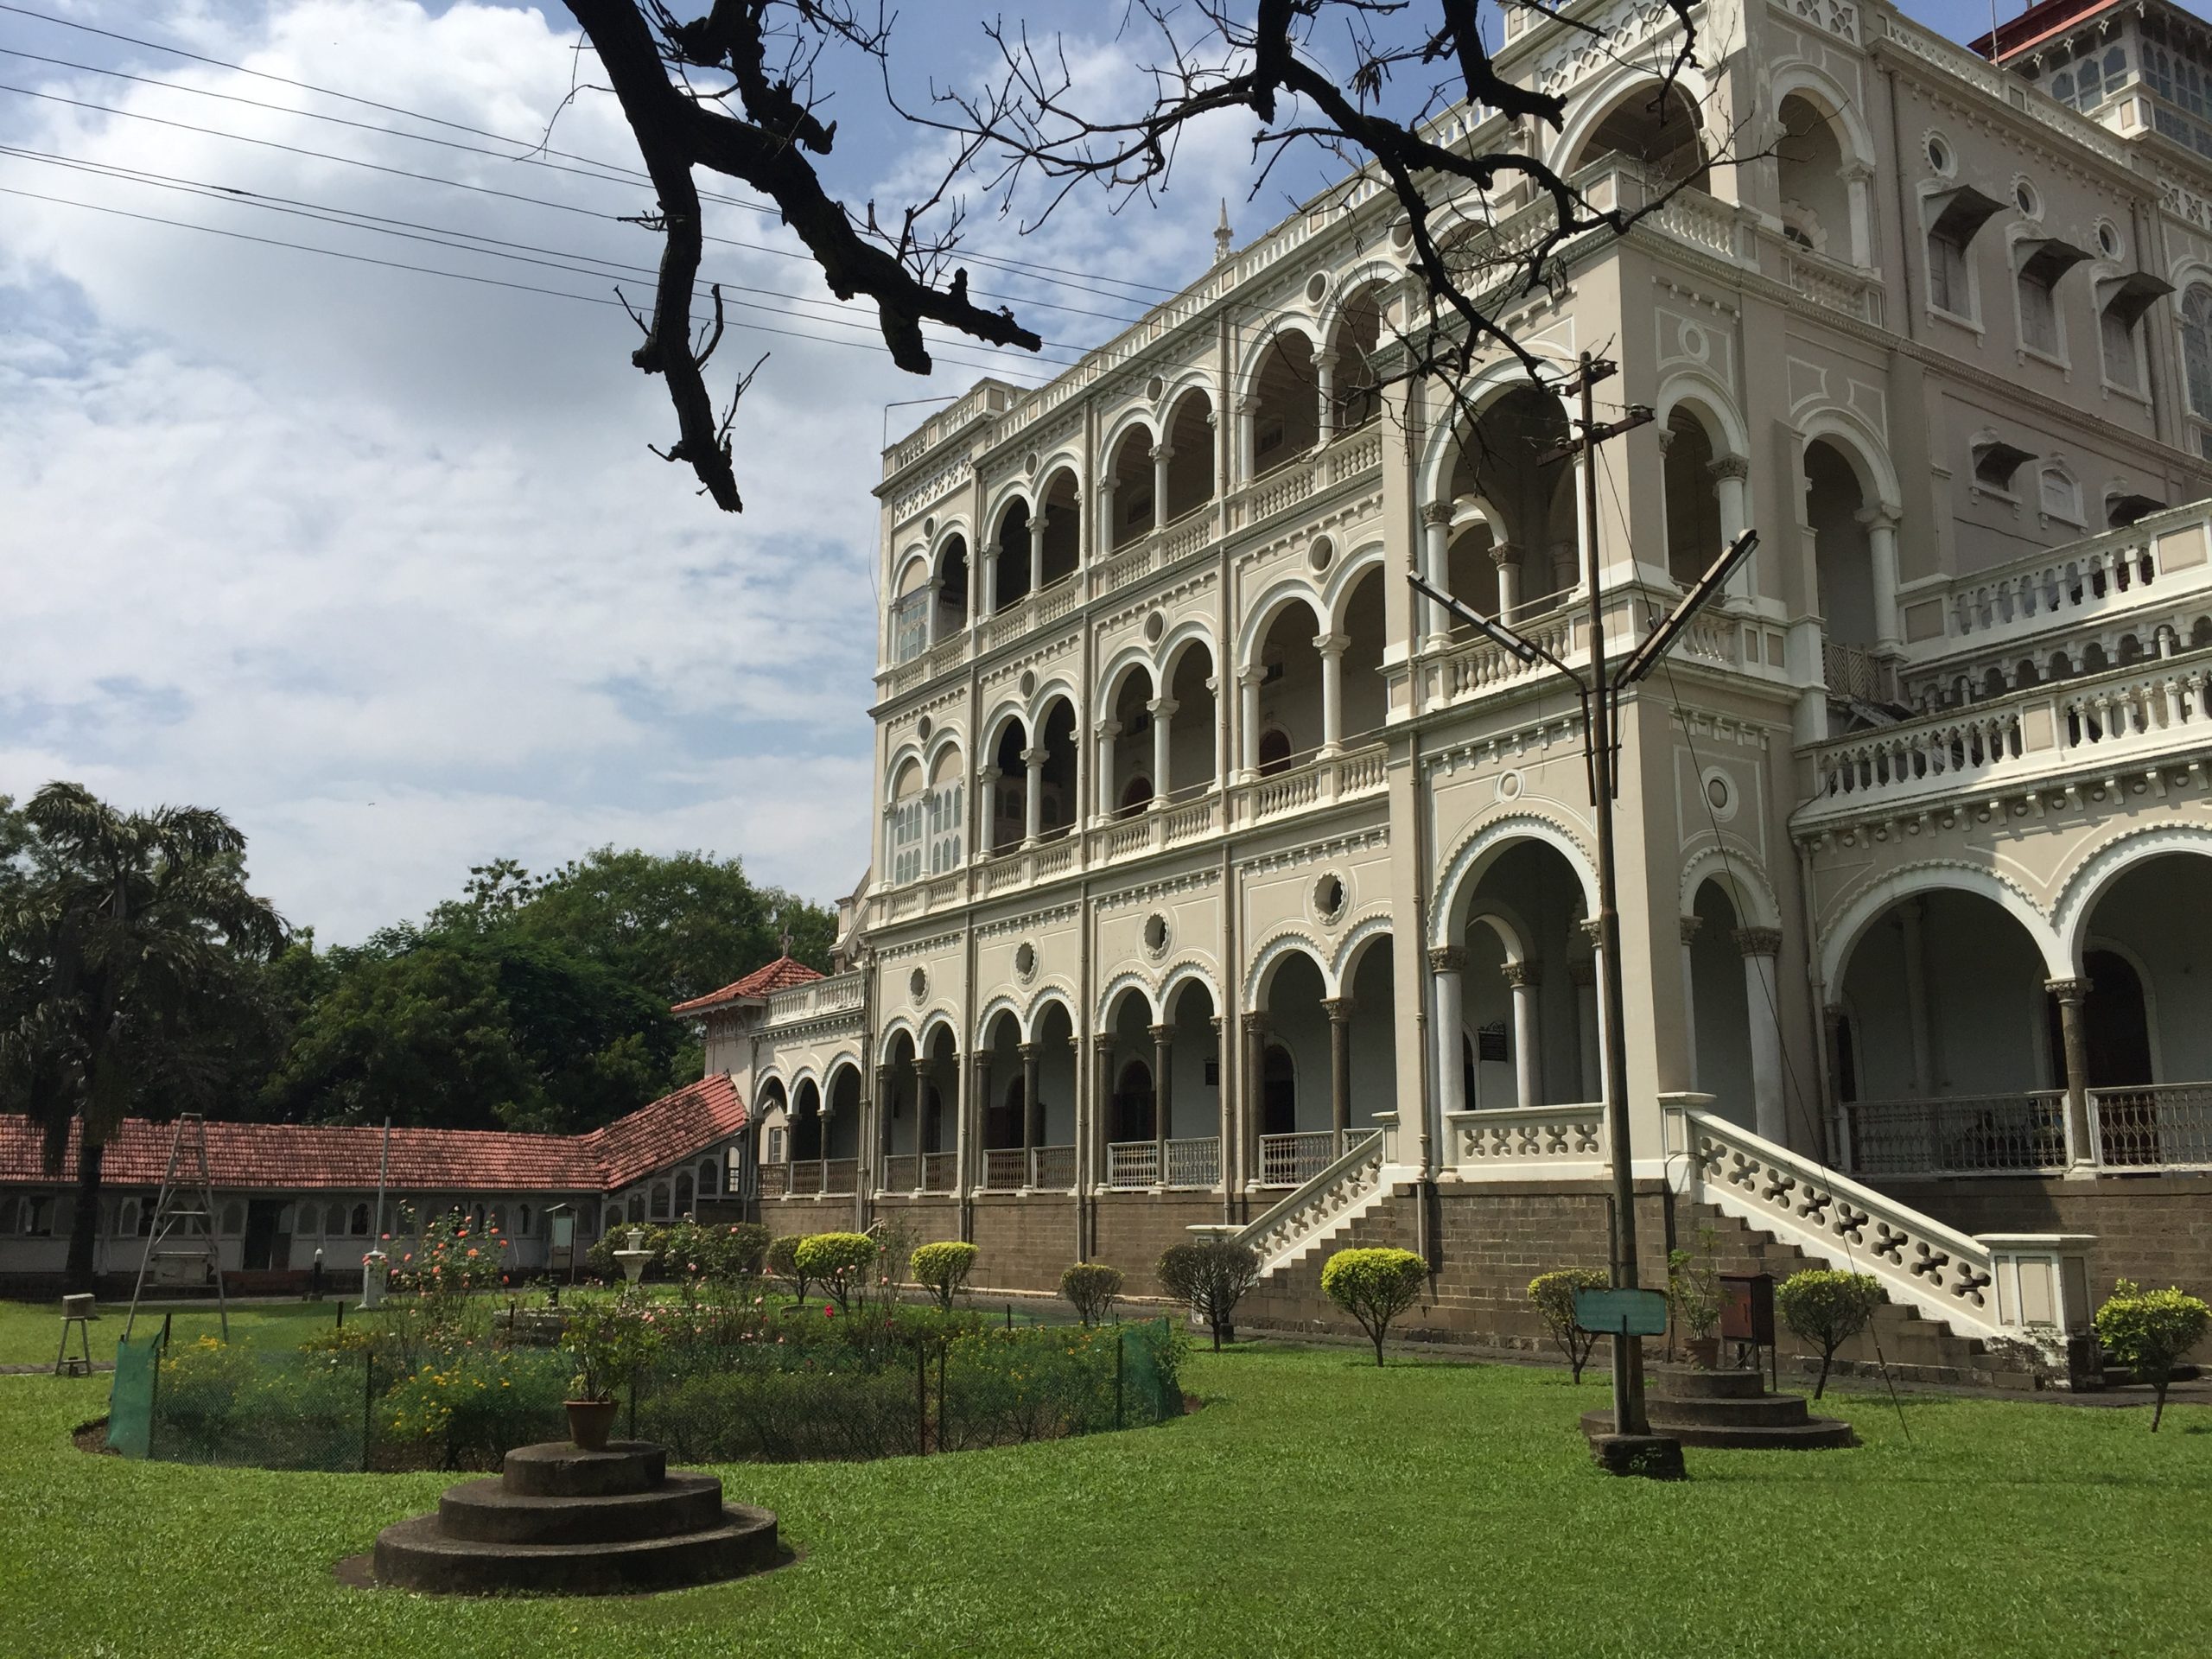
pixel 377 560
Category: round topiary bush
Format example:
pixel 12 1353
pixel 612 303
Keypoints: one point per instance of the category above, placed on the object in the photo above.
pixel 1212 1276
pixel 943 1269
pixel 1090 1288
pixel 2150 1330
pixel 837 1261
pixel 1827 1309
pixel 1374 1287
pixel 1553 1295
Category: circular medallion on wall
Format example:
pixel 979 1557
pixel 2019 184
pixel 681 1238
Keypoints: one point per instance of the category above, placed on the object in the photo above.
pixel 1028 682
pixel 929 526
pixel 1320 553
pixel 924 727
pixel 1402 234
pixel 1694 343
pixel 1939 154
pixel 1510 786
pixel 917 984
pixel 1331 899
pixel 1317 288
pixel 1029 463
pixel 1154 626
pixel 1024 961
pixel 1157 936
pixel 2108 239
pixel 1155 388
pixel 1719 794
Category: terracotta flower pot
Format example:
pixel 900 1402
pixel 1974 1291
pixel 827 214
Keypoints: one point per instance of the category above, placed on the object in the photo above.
pixel 1704 1352
pixel 590 1421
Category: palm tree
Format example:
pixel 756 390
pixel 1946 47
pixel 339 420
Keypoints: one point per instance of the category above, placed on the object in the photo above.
pixel 125 959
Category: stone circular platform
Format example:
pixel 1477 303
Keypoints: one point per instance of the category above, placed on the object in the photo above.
pixel 1725 1409
pixel 561 1520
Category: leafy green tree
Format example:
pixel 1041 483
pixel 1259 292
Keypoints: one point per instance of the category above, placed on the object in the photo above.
pixel 2150 1332
pixel 1553 1296
pixel 1374 1287
pixel 128 944
pixel 1827 1309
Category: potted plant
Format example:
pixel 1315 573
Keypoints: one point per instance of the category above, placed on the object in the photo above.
pixel 1694 1293
pixel 607 1340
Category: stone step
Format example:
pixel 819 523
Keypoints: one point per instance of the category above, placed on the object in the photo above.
pixel 1816 1433
pixel 488 1511
pixel 1761 1411
pixel 556 1469
pixel 1688 1383
pixel 417 1556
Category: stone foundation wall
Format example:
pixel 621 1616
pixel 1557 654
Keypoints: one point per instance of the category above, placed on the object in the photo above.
pixel 1133 1228
pixel 1024 1242
pixel 2155 1228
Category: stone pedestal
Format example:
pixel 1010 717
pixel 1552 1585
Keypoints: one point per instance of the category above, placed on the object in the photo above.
pixel 1730 1408
pixel 561 1520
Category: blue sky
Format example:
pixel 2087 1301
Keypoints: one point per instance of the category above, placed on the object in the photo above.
pixel 377 560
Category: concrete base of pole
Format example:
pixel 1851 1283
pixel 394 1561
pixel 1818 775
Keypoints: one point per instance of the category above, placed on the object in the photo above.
pixel 1654 1456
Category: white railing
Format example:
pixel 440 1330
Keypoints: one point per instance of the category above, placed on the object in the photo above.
pixel 1855 672
pixel 1979 1134
pixel 1005 871
pixel 2140 712
pixel 1195 1161
pixel 1335 1194
pixel 1120 569
pixel 1478 667
pixel 2158 1126
pixel 1355 453
pixel 1133 835
pixel 1188 534
pixel 1132 1166
pixel 1324 778
pixel 1920 1261
pixel 835 995
pixel 1053 858
pixel 1286 486
pixel 1006 1169
pixel 1515 1141
pixel 1189 822
pixel 1294 1159
pixel 1835 286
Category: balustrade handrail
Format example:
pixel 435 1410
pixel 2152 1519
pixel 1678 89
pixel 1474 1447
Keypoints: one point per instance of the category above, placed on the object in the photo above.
pixel 2021 1133
pixel 1362 1147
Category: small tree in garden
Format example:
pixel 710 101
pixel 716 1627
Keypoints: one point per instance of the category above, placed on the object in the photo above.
pixel 1693 1285
pixel 1828 1310
pixel 1090 1288
pixel 1553 1293
pixel 783 1264
pixel 2150 1330
pixel 1212 1277
pixel 837 1261
pixel 942 1269
pixel 1374 1287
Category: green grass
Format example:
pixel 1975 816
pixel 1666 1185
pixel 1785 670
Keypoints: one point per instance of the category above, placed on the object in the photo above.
pixel 29 1332
pixel 1317 1506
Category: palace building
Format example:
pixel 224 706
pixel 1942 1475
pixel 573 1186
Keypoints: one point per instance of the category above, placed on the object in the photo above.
pixel 1220 881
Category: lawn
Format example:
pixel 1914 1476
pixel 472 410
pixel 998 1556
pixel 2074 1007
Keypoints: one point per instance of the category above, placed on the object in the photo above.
pixel 1316 1506
pixel 30 1330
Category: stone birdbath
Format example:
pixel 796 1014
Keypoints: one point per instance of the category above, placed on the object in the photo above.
pixel 634 1259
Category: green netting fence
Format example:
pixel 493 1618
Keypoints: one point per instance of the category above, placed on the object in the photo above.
pixel 900 1395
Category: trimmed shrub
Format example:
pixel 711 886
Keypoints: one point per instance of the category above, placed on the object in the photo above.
pixel 2150 1330
pixel 1212 1277
pixel 1828 1310
pixel 1374 1287
pixel 837 1261
pixel 1090 1288
pixel 943 1269
pixel 783 1264
pixel 1553 1295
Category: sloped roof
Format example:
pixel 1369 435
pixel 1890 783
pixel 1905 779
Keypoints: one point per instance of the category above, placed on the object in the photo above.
pixel 300 1157
pixel 779 976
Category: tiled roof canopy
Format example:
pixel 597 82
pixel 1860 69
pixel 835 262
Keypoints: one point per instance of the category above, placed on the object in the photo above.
pixel 310 1157
pixel 779 976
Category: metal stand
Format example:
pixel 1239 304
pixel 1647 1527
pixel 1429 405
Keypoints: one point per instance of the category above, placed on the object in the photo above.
pixel 190 1202
pixel 76 1311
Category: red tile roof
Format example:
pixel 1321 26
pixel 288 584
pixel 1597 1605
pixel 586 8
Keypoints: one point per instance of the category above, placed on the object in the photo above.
pixel 305 1157
pixel 779 976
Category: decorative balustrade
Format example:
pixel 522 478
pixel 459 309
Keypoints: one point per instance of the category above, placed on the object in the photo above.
pixel 1132 835
pixel 1979 1134
pixel 1332 1195
pixel 839 1176
pixel 1189 822
pixel 1515 1141
pixel 902 1173
pixel 940 1171
pixel 775 1180
pixel 1014 1169
pixel 1355 453
pixel 1052 1168
pixel 805 1179
pixel 1837 287
pixel 1187 534
pixel 1325 778
pixel 1124 566
pixel 2137 713
pixel 1288 791
pixel 1006 1169
pixel 2158 1126
pixel 1008 869
pixel 1476 668
pixel 1132 1166
pixel 1294 1159
pixel 1275 492
pixel 1195 1161
pixel 838 994
pixel 1053 858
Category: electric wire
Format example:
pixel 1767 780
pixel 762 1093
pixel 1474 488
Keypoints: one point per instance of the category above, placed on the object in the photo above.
pixel 1794 1089
pixel 622 171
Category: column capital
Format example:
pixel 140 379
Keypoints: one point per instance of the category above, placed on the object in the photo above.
pixel 1033 758
pixel 1102 1044
pixel 1331 645
pixel 1027 1051
pixel 1249 404
pixel 1833 1014
pixel 1735 466
pixel 1505 555
pixel 1758 941
pixel 1437 512
pixel 1107 729
pixel 1447 959
pixel 1325 360
pixel 1256 1023
pixel 1690 926
pixel 1340 1009
pixel 1163 452
pixel 1162 1034
pixel 2067 990
pixel 1594 930
pixel 1876 518
pixel 1251 674
pixel 1524 974
pixel 1162 707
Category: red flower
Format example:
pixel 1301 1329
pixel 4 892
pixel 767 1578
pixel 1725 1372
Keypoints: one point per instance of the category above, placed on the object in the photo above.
pixel 828 1310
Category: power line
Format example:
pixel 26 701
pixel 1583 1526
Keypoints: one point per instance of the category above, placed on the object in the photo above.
pixel 454 275
pixel 540 148
pixel 839 314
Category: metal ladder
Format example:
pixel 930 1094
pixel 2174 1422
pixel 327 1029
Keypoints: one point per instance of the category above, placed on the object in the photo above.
pixel 176 1206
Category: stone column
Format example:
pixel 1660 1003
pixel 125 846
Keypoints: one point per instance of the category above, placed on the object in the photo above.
pixel 887 1102
pixel 2081 1150
pixel 1163 1060
pixel 1037 550
pixel 985 578
pixel 1033 1111
pixel 1690 926
pixel 1919 1016
pixel 1447 963
pixel 986 805
pixel 1161 454
pixel 1760 946
pixel 1032 805
pixel 1340 1013
pixel 1583 970
pixel 1092 1137
pixel 1255 1056
pixel 1324 382
pixel 1332 647
pixel 1507 558
pixel 1246 408
pixel 1248 739
pixel 1858 181
pixel 1436 570
pixel 971 1129
pixel 1162 710
pixel 1526 977
pixel 1220 457
pixel 1225 1103
pixel 1731 475
pixel 1566 567
pixel 1882 558
pixel 1105 806
pixel 1102 530
pixel 1214 683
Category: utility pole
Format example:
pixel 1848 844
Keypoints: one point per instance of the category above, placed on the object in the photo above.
pixel 1633 1448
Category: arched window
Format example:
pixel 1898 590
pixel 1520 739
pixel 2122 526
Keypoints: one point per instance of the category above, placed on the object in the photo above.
pixel 499 1218
pixel 637 1206
pixel 683 1194
pixel 127 1220
pixel 709 1178
pixel 2196 348
pixel 361 1221
pixel 660 1205
pixel 525 1229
